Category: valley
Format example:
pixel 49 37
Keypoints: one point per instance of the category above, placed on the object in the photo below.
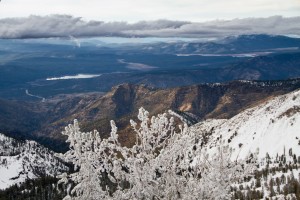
pixel 44 120
pixel 238 92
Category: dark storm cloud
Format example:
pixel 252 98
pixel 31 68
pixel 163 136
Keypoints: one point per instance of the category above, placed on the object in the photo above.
pixel 65 25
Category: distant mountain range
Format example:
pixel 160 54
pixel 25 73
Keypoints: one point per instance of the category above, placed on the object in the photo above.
pixel 39 66
pixel 229 45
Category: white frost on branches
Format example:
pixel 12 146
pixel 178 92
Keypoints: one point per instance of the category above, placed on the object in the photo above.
pixel 165 163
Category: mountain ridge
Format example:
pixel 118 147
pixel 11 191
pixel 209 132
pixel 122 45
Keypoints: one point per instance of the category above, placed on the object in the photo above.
pixel 198 102
pixel 271 127
pixel 23 160
pixel 94 111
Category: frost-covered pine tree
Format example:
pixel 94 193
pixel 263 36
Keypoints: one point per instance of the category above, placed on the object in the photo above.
pixel 166 162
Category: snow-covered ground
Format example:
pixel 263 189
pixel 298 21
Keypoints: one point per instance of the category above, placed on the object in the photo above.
pixel 272 127
pixel 22 160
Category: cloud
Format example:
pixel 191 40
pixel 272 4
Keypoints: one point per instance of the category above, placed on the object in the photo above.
pixel 66 25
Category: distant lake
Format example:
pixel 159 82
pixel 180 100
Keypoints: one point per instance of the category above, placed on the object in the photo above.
pixel 78 76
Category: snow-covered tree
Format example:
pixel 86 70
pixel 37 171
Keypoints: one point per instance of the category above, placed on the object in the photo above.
pixel 166 162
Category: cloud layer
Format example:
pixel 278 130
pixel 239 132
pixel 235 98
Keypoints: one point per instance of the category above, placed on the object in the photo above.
pixel 65 26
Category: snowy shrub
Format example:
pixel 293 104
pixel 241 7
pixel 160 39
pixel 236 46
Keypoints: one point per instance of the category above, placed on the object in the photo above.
pixel 166 162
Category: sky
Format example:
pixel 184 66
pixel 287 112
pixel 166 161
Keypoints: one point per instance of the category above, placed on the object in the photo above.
pixel 136 10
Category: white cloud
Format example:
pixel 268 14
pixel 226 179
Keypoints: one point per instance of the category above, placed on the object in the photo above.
pixel 64 26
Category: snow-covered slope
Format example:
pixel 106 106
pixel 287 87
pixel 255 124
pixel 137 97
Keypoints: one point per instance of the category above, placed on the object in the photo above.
pixel 272 127
pixel 21 160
